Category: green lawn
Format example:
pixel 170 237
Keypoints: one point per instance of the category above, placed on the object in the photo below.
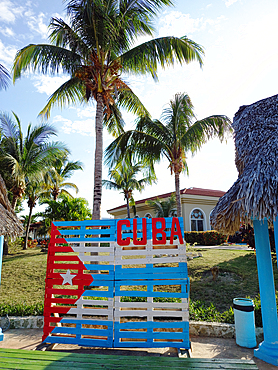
pixel 23 277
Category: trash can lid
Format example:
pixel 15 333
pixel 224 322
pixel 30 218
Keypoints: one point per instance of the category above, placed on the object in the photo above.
pixel 243 302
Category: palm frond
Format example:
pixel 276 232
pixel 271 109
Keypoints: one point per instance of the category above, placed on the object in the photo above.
pixel 163 51
pixel 45 58
pixel 114 121
pixel 72 91
pixel 8 128
pixel 64 36
pixel 202 130
pixel 130 101
pixel 4 77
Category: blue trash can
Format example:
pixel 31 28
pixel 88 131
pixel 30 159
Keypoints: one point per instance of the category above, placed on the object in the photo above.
pixel 1 335
pixel 244 322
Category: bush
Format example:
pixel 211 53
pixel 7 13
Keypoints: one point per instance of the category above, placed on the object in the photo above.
pixel 210 237
pixel 22 309
pixel 199 311
pixel 246 235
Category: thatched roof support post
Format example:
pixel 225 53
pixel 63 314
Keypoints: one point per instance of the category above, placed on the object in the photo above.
pixel 268 349
pixel 275 227
pixel 1 256
pixel 1 253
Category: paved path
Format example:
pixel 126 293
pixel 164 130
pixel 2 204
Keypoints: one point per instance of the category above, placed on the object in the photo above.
pixel 243 247
pixel 202 347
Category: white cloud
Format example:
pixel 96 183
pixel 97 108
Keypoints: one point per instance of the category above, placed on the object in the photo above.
pixel 7 54
pixel 9 11
pixel 48 84
pixel 6 31
pixel 36 23
pixel 230 2
pixel 84 127
pixel 176 23
pixel 88 111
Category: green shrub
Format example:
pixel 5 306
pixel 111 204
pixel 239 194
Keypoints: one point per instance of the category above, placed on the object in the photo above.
pixel 210 237
pixel 22 309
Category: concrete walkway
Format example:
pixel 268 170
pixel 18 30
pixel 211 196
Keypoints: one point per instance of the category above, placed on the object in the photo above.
pixel 202 347
pixel 242 247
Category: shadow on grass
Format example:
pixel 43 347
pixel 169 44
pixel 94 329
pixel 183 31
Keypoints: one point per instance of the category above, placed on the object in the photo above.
pixel 17 256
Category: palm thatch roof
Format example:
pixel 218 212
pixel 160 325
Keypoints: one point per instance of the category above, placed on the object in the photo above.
pixel 9 223
pixel 255 193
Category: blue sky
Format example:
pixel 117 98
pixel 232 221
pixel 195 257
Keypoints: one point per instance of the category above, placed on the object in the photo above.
pixel 240 67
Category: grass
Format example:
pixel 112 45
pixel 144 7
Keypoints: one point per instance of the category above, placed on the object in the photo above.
pixel 23 279
pixel 237 277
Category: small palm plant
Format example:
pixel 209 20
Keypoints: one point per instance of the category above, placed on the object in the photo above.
pixel 123 178
pixel 163 208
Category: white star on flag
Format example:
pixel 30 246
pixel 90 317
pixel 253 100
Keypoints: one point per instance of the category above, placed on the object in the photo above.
pixel 67 277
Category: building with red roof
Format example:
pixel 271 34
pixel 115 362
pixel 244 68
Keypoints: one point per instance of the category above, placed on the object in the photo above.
pixel 197 205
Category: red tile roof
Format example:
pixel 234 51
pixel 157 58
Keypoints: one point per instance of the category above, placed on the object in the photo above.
pixel 189 191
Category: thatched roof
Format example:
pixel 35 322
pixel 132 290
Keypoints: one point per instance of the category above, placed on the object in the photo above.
pixel 9 223
pixel 255 193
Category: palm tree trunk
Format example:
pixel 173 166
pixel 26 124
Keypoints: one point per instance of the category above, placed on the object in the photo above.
pixel 5 246
pixel 178 195
pixel 127 207
pixel 14 201
pixel 27 229
pixel 98 158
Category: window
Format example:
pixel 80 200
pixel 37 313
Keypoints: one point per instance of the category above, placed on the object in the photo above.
pixel 197 220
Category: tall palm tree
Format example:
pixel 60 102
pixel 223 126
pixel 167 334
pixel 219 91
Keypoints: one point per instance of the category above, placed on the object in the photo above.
pixel 124 179
pixel 34 191
pixel 61 171
pixel 172 137
pixel 95 48
pixel 163 208
pixel 24 158
pixel 4 77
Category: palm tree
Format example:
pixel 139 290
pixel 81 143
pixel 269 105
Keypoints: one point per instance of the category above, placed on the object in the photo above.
pixel 4 77
pixel 124 179
pixel 95 48
pixel 172 137
pixel 163 208
pixel 34 191
pixel 61 171
pixel 22 159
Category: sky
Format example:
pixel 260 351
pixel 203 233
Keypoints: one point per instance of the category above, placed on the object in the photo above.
pixel 240 67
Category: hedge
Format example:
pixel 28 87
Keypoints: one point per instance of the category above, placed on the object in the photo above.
pixel 210 237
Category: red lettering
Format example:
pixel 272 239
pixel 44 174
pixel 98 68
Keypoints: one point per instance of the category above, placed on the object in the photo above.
pixel 120 240
pixel 143 241
pixel 160 231
pixel 175 222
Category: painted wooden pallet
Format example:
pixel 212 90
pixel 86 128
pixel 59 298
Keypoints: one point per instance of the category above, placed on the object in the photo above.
pixel 92 284
pixel 31 360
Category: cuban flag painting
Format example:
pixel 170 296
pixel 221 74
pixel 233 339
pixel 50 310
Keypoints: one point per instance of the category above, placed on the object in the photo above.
pixel 117 283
